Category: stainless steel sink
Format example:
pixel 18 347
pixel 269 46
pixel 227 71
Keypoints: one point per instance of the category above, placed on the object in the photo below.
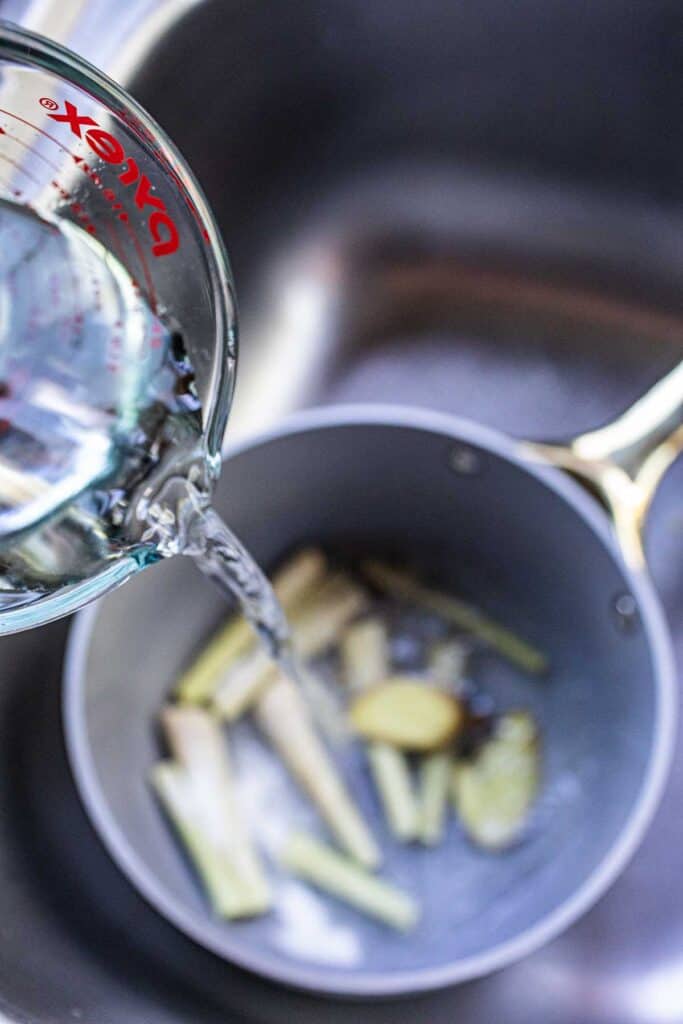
pixel 475 207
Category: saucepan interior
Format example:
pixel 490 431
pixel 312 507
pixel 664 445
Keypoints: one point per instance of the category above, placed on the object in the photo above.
pixel 524 543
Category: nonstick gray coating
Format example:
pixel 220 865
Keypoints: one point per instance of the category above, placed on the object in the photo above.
pixel 525 544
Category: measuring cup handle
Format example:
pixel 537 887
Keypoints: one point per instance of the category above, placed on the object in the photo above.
pixel 625 460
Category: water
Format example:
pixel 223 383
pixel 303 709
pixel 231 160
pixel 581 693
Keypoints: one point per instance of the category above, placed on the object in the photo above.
pixel 101 451
pixel 181 521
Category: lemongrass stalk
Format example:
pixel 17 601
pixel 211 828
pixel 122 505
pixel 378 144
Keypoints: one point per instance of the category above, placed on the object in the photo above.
pixel 227 893
pixel 315 627
pixel 326 709
pixel 393 782
pixel 243 685
pixel 402 585
pixel 365 653
pixel 301 574
pixel 454 782
pixel 434 784
pixel 330 871
pixel 198 683
pixel 199 745
pixel 447 663
pixel 285 720
pixel 365 660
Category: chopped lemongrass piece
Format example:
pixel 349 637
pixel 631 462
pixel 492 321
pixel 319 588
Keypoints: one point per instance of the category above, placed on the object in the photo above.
pixel 197 742
pixel 495 790
pixel 365 653
pixel 199 682
pixel 330 590
pixel 365 659
pixel 447 663
pixel 453 782
pixel 326 708
pixel 315 626
pixel 292 583
pixel 391 775
pixel 284 718
pixel 403 586
pixel 408 714
pixel 330 871
pixel 227 892
pixel 243 685
pixel 325 615
pixel 434 782
pixel 295 580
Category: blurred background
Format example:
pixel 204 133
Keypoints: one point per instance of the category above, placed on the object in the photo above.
pixel 467 206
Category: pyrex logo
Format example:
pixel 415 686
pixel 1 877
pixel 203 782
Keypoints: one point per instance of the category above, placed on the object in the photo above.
pixel 160 224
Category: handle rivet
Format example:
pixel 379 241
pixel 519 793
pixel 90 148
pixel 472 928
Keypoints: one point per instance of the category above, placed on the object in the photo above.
pixel 626 612
pixel 464 460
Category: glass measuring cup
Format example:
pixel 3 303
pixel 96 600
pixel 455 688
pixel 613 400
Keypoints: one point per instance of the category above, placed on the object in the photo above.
pixel 113 277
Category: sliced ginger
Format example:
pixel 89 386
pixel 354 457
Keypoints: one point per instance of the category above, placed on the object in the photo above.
pixel 408 714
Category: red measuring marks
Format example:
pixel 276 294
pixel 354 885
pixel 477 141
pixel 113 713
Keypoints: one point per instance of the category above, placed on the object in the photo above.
pixel 17 167
pixel 31 149
pixel 167 162
pixel 77 209
pixel 122 216
pixel 151 294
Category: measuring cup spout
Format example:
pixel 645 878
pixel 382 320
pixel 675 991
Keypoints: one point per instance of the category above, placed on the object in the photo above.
pixel 625 460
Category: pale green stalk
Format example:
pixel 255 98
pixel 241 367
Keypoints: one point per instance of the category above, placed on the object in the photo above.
pixel 228 895
pixel 365 660
pixel 323 867
pixel 434 781
pixel 402 585
pixel 291 584
pixel 283 716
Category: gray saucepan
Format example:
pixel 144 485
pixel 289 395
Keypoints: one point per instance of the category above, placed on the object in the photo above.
pixel 490 518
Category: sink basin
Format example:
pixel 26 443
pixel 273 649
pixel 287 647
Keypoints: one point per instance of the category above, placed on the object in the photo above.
pixel 466 211
pixel 473 207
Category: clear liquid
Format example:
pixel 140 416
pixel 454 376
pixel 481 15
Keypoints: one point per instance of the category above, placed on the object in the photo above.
pixel 101 452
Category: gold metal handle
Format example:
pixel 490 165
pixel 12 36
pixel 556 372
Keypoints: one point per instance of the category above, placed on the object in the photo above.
pixel 625 460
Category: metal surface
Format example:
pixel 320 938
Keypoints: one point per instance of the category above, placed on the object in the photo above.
pixel 626 460
pixel 452 211
pixel 477 207
pixel 118 44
